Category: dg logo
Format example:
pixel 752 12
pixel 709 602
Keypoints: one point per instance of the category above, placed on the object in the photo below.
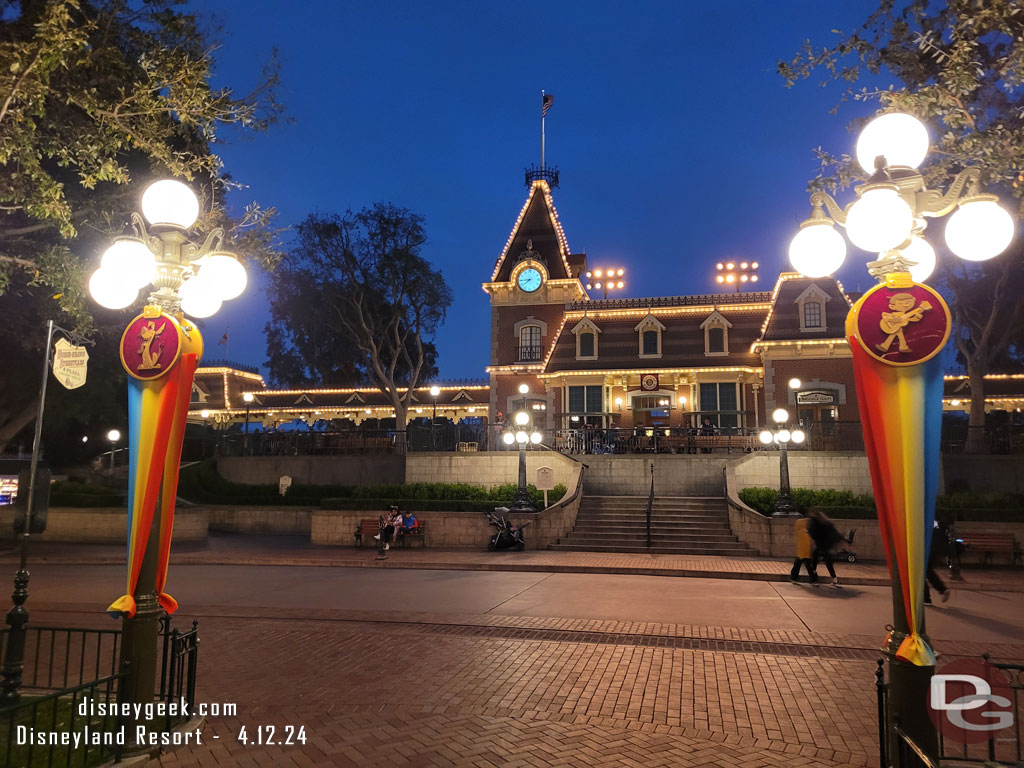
pixel 970 700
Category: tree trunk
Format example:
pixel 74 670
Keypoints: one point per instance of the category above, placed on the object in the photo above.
pixel 16 422
pixel 401 427
pixel 976 441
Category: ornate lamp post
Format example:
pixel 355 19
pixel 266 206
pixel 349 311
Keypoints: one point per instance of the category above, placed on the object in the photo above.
pixel 434 392
pixel 248 397
pixel 896 331
pixel 160 349
pixel 781 435
pixel 113 436
pixel 521 501
pixel 606 279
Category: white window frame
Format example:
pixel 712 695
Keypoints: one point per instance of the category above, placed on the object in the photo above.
pixel 716 320
pixel 649 323
pixel 813 293
pixel 586 325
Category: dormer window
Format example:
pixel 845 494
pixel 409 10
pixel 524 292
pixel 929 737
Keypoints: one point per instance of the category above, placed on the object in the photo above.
pixel 716 334
pixel 649 332
pixel 586 339
pixel 811 309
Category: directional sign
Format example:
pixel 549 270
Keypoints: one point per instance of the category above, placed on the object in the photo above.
pixel 69 364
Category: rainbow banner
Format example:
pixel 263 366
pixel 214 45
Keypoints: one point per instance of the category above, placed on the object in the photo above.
pixel 160 354
pixel 895 331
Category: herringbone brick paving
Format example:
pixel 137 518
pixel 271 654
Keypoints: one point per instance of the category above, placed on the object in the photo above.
pixel 370 698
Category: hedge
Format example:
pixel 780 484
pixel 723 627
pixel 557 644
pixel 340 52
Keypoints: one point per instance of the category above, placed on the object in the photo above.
pixel 200 483
pixel 77 493
pixel 963 507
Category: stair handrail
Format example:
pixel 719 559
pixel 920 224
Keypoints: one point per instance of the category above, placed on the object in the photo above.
pixel 650 504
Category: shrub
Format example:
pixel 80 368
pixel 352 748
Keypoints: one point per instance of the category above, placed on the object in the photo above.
pixel 79 493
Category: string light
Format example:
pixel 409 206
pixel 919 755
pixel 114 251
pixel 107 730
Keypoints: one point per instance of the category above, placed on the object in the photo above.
pixel 563 243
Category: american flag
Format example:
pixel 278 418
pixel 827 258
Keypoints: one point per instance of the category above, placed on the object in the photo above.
pixel 224 338
pixel 545 104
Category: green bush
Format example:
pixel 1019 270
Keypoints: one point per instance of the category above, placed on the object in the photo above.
pixel 78 493
pixel 952 507
pixel 835 503
pixel 201 484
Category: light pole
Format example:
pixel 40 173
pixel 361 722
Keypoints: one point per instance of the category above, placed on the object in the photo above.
pixel 781 435
pixel 606 279
pixel 159 349
pixel 434 392
pixel 113 436
pixel 740 274
pixel 896 331
pixel 248 397
pixel 521 501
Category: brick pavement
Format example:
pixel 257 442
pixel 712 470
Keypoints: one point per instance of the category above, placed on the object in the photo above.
pixel 377 688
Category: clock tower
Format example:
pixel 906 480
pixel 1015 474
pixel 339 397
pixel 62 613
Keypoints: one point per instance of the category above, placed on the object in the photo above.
pixel 535 276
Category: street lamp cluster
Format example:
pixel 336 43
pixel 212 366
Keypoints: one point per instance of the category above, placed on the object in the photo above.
pixel 195 279
pixel 888 216
pixel 522 433
pixel 736 273
pixel 781 435
pixel 606 279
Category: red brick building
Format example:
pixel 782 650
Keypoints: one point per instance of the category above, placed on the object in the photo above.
pixel 672 361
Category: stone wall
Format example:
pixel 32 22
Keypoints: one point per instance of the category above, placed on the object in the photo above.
pixel 454 530
pixel 674 474
pixel 110 525
pixel 346 469
pixel 487 468
pixel 294 520
pixel 807 469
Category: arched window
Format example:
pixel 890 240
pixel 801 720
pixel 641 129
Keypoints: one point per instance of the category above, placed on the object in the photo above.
pixel 650 342
pixel 716 340
pixel 586 339
pixel 649 332
pixel 529 343
pixel 716 334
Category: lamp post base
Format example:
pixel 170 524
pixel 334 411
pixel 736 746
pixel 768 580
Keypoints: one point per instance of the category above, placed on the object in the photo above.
pixel 784 507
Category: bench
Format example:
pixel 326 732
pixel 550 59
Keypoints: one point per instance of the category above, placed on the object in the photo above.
pixel 370 527
pixel 991 543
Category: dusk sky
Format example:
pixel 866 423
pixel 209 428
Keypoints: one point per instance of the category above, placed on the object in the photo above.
pixel 677 143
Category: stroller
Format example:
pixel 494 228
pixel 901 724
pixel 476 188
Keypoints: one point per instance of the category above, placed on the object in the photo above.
pixel 845 552
pixel 507 535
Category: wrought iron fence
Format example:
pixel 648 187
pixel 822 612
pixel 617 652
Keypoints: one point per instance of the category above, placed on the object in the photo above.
pixel 998 439
pixel 1004 747
pixel 651 440
pixel 71 679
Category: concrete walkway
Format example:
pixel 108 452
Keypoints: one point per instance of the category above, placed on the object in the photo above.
pixel 238 549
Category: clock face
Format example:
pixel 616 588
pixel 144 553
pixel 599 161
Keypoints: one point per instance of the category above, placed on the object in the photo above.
pixel 529 280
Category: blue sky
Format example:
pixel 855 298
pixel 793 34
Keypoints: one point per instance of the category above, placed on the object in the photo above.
pixel 677 143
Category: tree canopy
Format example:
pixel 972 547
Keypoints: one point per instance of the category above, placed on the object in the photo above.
pixel 959 66
pixel 97 98
pixel 356 302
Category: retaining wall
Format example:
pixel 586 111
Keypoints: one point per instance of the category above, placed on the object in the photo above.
pixel 346 469
pixel 487 468
pixel 109 525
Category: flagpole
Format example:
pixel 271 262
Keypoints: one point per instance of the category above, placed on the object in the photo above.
pixel 542 129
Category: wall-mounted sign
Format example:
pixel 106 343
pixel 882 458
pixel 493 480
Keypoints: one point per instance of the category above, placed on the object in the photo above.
pixel 816 397
pixel 69 364
pixel 649 382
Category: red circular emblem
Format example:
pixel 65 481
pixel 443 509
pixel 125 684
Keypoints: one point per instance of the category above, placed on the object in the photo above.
pixel 902 326
pixel 150 346
pixel 970 701
pixel 649 382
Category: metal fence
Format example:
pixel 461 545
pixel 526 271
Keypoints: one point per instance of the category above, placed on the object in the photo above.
pixel 71 680
pixel 1004 747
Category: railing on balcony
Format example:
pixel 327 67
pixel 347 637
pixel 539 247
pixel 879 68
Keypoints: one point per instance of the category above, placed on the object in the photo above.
pixel 531 353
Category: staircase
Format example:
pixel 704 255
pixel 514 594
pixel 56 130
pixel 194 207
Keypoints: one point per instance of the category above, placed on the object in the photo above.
pixel 682 525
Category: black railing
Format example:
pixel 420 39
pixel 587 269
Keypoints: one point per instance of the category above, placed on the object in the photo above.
pixel 997 439
pixel 63 668
pixel 650 507
pixel 651 440
pixel 1004 747
pixel 30 726
pixel 530 353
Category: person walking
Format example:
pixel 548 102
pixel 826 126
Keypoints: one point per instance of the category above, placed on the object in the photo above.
pixel 936 557
pixel 804 549
pixel 826 537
